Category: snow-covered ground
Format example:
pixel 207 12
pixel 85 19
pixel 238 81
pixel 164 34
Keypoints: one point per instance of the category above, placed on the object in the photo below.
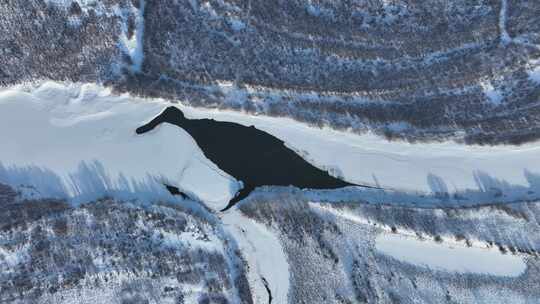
pixel 425 167
pixel 454 258
pixel 79 142
pixel 493 95
pixel 264 254
pixel 505 37
pixel 447 255
pixel 134 46
pixel 56 136
pixel 534 72
pixel 131 46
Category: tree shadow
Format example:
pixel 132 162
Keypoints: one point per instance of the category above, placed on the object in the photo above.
pixel 89 182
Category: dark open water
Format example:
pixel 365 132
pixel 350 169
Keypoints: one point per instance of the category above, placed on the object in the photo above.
pixel 250 155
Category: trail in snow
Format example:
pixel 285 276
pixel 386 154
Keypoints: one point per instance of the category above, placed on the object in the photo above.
pixel 137 52
pixel 268 266
pixel 505 37
pixel 131 46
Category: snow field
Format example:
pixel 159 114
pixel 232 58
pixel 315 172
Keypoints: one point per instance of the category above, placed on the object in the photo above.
pixel 444 257
pixel 264 254
pixel 79 143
